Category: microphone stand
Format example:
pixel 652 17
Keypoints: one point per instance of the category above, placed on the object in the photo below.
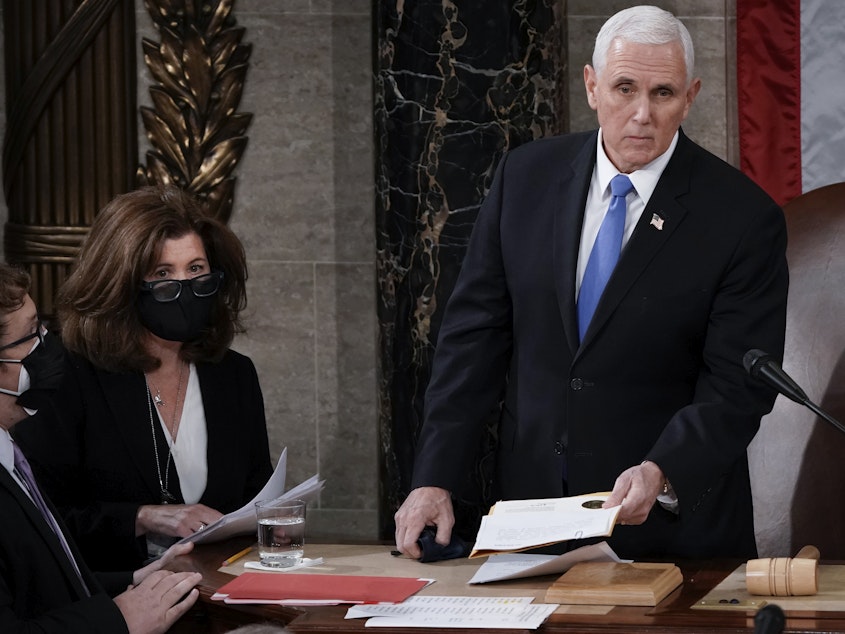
pixel 818 410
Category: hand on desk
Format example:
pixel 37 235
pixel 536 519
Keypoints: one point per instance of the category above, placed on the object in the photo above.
pixel 636 489
pixel 155 604
pixel 424 506
pixel 163 562
pixel 174 520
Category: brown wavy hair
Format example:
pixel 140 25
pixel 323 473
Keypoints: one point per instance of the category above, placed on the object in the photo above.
pixel 14 285
pixel 97 305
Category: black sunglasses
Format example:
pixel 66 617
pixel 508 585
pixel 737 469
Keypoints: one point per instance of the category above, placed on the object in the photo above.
pixel 169 290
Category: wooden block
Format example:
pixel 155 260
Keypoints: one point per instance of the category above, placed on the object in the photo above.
pixel 610 583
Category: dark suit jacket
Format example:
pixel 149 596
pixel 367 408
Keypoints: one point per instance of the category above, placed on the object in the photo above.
pixel 38 586
pixel 659 373
pixel 93 452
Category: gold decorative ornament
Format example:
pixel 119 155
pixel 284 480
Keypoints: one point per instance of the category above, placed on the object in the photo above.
pixel 199 65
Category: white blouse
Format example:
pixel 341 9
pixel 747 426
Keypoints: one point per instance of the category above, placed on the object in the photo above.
pixel 189 451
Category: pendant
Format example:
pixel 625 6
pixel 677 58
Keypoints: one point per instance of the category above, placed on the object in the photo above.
pixel 157 399
pixel 167 497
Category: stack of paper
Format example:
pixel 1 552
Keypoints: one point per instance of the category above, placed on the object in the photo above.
pixel 445 612
pixel 303 589
pixel 242 521
pixel 517 525
pixel 519 565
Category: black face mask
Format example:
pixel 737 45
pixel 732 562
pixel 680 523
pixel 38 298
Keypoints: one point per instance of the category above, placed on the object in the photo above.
pixel 46 367
pixel 182 319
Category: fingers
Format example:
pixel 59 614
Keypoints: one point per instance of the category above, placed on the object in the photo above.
pixel 158 601
pixel 177 520
pixel 636 490
pixel 424 506
pixel 177 550
pixel 177 611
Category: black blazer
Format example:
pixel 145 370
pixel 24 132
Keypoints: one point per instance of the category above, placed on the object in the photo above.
pixel 38 586
pixel 93 452
pixel 659 373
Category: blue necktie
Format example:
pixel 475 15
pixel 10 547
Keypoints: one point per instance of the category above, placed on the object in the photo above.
pixel 24 473
pixel 605 252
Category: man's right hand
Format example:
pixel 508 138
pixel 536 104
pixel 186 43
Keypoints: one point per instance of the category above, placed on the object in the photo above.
pixel 156 603
pixel 425 506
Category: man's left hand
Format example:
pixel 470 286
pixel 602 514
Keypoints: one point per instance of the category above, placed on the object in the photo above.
pixel 636 489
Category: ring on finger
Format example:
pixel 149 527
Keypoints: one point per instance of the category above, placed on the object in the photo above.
pixel 202 527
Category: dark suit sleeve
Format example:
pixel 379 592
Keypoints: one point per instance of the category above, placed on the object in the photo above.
pixel 259 447
pixel 95 615
pixel 58 441
pixel 706 439
pixel 472 354
pixel 37 592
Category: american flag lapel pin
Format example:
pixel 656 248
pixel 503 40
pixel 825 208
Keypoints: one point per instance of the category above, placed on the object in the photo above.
pixel 656 222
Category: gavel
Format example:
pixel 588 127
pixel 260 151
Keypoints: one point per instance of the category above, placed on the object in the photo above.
pixel 784 576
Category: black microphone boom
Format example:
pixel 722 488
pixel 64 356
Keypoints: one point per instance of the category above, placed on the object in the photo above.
pixel 764 367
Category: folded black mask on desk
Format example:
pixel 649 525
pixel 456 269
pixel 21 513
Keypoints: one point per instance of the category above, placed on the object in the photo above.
pixel 432 551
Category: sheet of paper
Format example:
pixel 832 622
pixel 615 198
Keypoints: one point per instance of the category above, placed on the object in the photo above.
pixel 465 612
pixel 243 520
pixel 519 565
pixel 516 525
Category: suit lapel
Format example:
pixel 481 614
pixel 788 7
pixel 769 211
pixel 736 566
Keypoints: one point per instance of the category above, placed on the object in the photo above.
pixel 574 184
pixel 217 411
pixel 43 529
pixel 659 220
pixel 125 394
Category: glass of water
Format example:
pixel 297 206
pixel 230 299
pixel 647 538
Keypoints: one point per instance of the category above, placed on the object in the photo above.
pixel 281 532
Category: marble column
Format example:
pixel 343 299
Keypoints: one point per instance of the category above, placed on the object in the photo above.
pixel 457 84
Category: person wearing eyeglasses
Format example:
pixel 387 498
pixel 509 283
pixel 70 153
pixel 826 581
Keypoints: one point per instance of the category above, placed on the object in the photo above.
pixel 158 428
pixel 45 585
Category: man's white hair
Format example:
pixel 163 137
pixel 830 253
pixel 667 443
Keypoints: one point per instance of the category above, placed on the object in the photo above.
pixel 643 24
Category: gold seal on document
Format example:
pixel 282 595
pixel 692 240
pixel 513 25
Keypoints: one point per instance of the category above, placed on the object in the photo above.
pixel 593 504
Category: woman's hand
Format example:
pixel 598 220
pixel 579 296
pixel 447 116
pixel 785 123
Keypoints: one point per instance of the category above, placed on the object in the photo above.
pixel 174 520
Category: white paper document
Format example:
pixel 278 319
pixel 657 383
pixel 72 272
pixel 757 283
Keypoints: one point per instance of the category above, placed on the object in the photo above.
pixel 469 612
pixel 515 525
pixel 519 565
pixel 243 520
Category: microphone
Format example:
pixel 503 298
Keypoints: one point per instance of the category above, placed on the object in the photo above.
pixel 763 366
pixel 769 619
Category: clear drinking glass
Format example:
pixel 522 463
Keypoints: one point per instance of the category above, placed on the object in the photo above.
pixel 281 532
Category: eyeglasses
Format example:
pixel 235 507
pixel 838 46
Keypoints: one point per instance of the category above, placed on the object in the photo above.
pixel 39 332
pixel 170 290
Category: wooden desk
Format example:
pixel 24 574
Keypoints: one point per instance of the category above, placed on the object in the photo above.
pixel 673 614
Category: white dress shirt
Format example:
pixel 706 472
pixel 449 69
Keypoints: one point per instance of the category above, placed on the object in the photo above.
pixel 644 181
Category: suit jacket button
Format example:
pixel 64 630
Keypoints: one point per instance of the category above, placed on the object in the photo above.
pixel 576 384
pixel 558 447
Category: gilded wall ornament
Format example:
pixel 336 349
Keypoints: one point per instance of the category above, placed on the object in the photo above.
pixel 199 65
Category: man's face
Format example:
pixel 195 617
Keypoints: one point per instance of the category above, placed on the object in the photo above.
pixel 19 325
pixel 641 98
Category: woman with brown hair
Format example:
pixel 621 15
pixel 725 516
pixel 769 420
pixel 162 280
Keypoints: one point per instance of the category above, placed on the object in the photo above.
pixel 159 427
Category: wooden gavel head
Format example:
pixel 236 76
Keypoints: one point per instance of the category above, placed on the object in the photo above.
pixel 784 576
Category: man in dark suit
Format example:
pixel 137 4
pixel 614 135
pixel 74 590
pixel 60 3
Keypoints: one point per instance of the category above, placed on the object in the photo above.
pixel 647 394
pixel 44 582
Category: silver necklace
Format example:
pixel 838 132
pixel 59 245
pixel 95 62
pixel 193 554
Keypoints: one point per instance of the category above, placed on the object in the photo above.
pixel 166 496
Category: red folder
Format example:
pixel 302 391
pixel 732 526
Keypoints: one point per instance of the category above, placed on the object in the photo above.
pixel 257 587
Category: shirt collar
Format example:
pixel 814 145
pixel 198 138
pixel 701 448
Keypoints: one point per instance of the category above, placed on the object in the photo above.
pixel 7 452
pixel 644 179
